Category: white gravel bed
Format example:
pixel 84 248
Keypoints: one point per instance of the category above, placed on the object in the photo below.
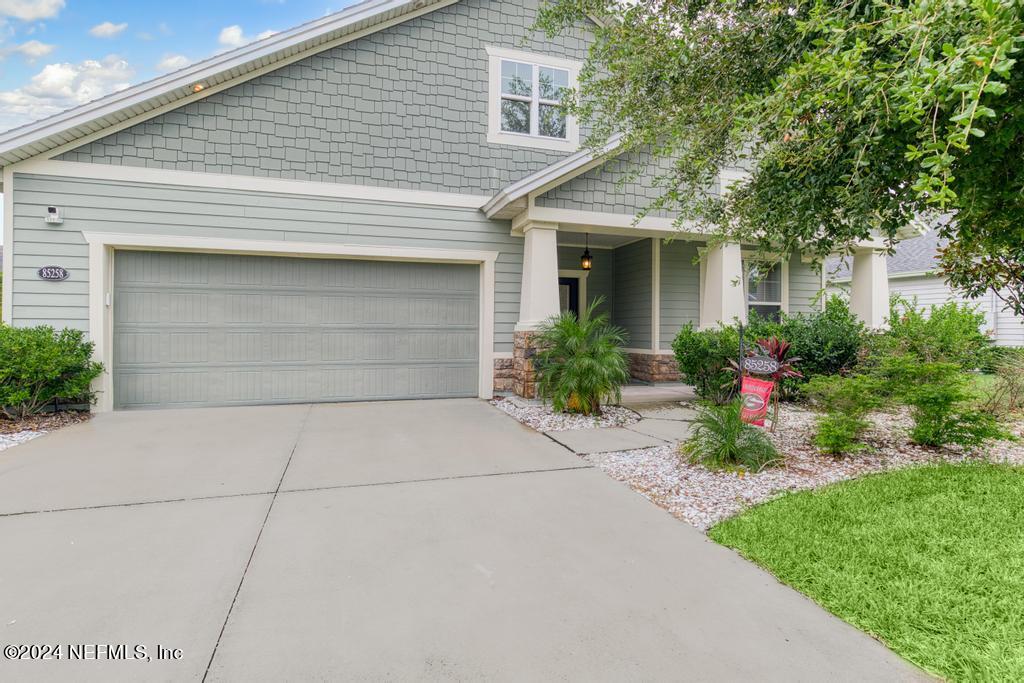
pixel 11 440
pixel 704 497
pixel 541 417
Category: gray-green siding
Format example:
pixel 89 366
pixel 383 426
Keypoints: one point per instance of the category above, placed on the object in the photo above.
pixel 403 107
pixel 680 289
pixel 140 208
pixel 804 286
pixel 633 284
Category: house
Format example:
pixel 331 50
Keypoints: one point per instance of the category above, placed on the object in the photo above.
pixel 913 275
pixel 380 204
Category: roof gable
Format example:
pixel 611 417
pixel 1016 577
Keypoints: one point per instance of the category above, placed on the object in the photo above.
pixel 214 74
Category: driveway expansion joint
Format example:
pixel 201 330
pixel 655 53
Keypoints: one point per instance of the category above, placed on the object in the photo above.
pixel 427 480
pixel 259 535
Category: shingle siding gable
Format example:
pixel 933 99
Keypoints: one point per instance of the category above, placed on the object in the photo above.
pixel 404 107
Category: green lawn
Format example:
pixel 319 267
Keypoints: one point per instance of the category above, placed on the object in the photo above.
pixel 929 560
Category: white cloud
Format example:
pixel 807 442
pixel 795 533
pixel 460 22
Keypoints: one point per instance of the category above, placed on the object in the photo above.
pixel 107 30
pixel 32 50
pixel 173 62
pixel 233 36
pixel 31 10
pixel 61 86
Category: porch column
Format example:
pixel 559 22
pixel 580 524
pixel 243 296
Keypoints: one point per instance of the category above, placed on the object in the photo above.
pixel 538 301
pixel 722 297
pixel 539 292
pixel 869 287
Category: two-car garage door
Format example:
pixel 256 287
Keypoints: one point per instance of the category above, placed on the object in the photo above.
pixel 212 329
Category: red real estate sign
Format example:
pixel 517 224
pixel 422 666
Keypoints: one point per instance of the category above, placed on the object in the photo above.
pixel 756 393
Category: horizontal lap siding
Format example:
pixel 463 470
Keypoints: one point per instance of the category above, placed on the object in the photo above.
pixel 146 209
pixel 680 289
pixel 931 290
pixel 804 287
pixel 633 292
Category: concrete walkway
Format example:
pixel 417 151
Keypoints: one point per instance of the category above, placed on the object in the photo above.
pixel 663 421
pixel 418 540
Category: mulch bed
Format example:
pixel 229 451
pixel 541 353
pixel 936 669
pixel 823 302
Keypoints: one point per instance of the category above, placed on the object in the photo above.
pixel 42 423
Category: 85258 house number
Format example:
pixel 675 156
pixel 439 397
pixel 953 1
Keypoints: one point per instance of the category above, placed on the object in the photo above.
pixel 53 273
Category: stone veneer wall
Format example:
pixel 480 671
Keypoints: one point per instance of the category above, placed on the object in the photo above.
pixel 504 374
pixel 524 378
pixel 653 367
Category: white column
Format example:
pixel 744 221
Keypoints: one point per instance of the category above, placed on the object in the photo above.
pixel 869 288
pixel 539 293
pixel 723 300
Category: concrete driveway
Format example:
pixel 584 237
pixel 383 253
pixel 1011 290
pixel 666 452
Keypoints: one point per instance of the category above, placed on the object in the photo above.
pixel 408 540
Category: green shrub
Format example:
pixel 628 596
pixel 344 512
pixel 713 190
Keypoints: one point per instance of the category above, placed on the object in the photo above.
pixel 720 438
pixel 827 342
pixel 949 333
pixel 846 401
pixel 839 433
pixel 940 401
pixel 580 362
pixel 39 365
pixel 704 361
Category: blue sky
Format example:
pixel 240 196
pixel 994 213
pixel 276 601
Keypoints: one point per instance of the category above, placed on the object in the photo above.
pixel 56 54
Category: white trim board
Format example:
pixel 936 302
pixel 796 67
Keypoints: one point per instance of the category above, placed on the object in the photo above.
pixel 102 247
pixel 74 169
pixel 7 266
pixel 581 291
pixel 495 135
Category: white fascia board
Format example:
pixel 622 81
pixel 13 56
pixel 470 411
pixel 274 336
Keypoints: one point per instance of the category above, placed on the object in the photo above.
pixel 177 86
pixel 558 172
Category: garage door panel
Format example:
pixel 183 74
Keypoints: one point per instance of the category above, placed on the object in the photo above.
pixel 275 329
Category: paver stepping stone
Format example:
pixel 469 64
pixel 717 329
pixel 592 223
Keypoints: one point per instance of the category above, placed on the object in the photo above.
pixel 667 412
pixel 669 430
pixel 584 441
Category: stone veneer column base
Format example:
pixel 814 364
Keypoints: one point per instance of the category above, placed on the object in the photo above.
pixel 653 367
pixel 524 378
pixel 504 375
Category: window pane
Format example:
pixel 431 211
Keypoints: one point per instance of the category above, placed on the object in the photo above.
pixel 553 83
pixel 773 313
pixel 764 282
pixel 516 78
pixel 515 116
pixel 552 121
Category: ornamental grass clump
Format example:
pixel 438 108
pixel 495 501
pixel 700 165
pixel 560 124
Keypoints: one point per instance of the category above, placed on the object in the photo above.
pixel 720 439
pixel 580 361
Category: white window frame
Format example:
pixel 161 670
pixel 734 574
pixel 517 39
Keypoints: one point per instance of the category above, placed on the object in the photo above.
pixel 748 257
pixel 495 135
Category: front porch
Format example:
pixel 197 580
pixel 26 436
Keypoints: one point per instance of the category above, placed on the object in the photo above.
pixel 652 287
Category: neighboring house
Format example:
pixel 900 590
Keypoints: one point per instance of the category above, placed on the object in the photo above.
pixel 379 204
pixel 913 275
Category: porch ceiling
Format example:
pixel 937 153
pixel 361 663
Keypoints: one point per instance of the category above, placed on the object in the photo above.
pixel 598 241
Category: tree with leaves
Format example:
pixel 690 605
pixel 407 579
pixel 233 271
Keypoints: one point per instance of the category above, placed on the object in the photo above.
pixel 854 118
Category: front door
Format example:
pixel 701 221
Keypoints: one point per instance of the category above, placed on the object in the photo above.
pixel 569 294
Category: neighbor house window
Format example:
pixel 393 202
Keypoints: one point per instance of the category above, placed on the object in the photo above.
pixel 526 100
pixel 764 288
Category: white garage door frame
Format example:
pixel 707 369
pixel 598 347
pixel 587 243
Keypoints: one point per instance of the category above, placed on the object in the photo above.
pixel 102 247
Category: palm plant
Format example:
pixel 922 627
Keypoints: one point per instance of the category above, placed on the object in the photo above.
pixel 580 361
pixel 720 438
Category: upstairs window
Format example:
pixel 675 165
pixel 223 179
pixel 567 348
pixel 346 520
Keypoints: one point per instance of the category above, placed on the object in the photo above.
pixel 526 94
